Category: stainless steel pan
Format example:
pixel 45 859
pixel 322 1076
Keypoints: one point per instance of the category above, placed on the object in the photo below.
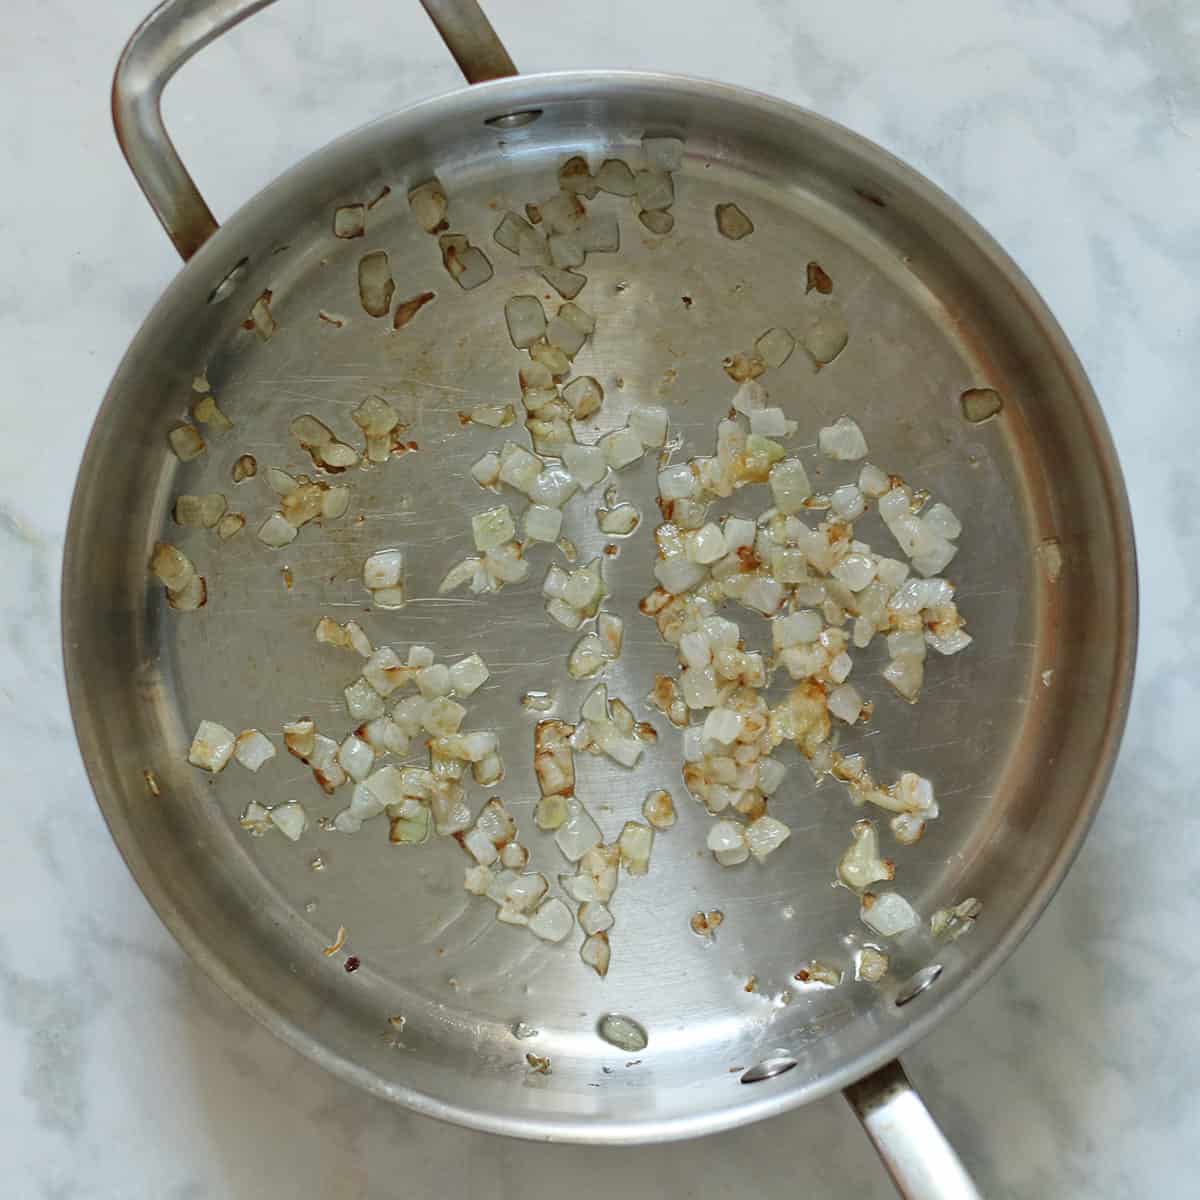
pixel 1019 733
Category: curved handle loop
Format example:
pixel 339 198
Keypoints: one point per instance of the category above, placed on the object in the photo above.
pixel 175 31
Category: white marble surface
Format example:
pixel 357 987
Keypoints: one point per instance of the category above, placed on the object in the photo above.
pixel 1072 130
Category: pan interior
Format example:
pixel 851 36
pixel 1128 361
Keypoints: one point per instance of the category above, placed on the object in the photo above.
pixel 932 311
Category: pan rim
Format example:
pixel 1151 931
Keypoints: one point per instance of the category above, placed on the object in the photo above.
pixel 508 95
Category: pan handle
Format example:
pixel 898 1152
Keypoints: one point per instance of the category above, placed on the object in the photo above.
pixel 922 1163
pixel 175 31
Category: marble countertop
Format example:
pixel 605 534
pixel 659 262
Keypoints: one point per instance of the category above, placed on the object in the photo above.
pixel 1071 129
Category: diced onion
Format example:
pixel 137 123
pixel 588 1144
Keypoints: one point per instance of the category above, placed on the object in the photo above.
pixel 253 749
pixel 427 203
pixel 186 441
pixel 290 819
pixel 578 833
pixel 383 569
pixel 657 221
pixel 615 177
pixel 552 921
pixel 860 866
pixel 587 464
pixel 375 284
pixel 525 319
pixel 843 440
pixel 349 221
pixel 654 189
pixel 732 222
pixel 871 965
pixel 888 913
pixel 597 953
pixel 663 153
pixel 212 746
pixel 775 347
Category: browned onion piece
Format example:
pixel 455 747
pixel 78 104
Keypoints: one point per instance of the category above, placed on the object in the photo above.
pixel 407 309
pixel 246 467
pixel 575 177
pixel 817 280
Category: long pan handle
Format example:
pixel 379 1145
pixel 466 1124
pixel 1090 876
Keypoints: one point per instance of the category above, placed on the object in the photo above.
pixel 921 1162
pixel 175 31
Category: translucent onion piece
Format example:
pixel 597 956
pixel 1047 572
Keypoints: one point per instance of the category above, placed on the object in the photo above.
pixel 552 921
pixel 600 234
pixel 843 440
pixel 663 153
pixel 512 232
pixel 578 833
pixel 825 336
pixel 649 422
pixel 276 531
pixel 871 965
pixel 492 527
pixel 230 525
pixel 597 953
pixel 621 448
pixel 654 189
pixel 615 177
pixel 567 283
pixel 493 416
pixel 789 485
pixel 587 464
pixel 732 222
pixel 375 284
pixel 657 221
pixel 585 396
pixel 350 221
pixel 775 347
pixel 594 917
pixel 171 567
pixel 290 819
pixel 525 320
pixel 467 675
pixel 587 657
pixel 428 204
pixel 186 441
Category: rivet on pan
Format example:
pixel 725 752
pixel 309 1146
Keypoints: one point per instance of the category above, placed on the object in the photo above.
pixel 917 983
pixel 768 1069
pixel 514 120
pixel 228 285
